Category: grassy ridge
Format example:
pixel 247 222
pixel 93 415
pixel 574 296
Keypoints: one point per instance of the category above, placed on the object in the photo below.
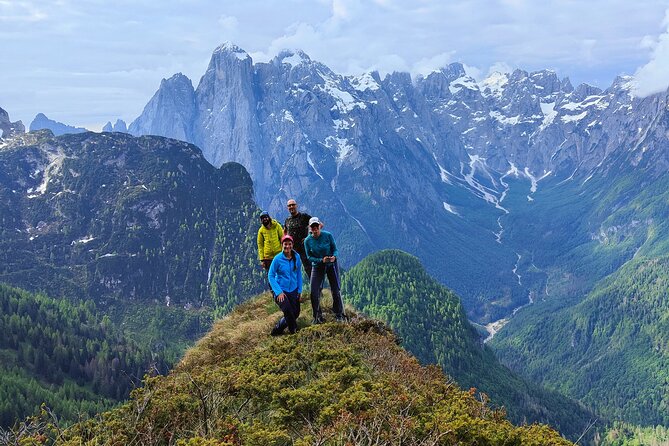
pixel 332 384
pixel 393 286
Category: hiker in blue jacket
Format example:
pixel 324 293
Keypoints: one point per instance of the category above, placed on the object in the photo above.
pixel 322 252
pixel 285 278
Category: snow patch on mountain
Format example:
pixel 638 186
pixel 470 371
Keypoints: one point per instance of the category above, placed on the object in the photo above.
pixel 288 116
pixel 450 209
pixel 341 145
pixel 462 82
pixel 344 101
pixel 504 119
pixel 484 192
pixel 549 112
pixel 574 118
pixel 313 166
pixel 364 82
pixel 494 84
pixel 294 58
pixel 55 165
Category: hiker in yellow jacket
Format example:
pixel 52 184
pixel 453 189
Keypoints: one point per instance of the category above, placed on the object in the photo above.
pixel 269 239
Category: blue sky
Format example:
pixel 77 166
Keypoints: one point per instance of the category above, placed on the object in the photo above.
pixel 86 62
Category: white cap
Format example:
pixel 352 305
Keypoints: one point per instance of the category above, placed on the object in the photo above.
pixel 314 220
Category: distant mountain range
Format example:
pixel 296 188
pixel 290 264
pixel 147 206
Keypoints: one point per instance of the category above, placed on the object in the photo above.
pixel 435 165
pixel 41 122
pixel 522 193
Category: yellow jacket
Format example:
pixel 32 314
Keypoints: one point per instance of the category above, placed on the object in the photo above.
pixel 269 240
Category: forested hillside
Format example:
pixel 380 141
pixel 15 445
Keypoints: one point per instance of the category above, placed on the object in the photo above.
pixel 65 354
pixel 141 243
pixel 613 347
pixel 116 218
pixel 330 384
pixel 429 319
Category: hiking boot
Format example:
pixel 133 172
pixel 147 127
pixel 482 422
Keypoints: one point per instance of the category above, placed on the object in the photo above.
pixel 318 320
pixel 276 331
pixel 341 318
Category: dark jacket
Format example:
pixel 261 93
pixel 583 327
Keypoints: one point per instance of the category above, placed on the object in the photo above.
pixel 298 228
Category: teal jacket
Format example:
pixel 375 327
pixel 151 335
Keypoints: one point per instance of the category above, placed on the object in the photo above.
pixel 317 248
pixel 285 275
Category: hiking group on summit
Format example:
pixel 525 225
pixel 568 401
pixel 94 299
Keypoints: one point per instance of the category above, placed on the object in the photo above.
pixel 284 251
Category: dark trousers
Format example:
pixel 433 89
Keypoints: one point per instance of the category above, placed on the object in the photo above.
pixel 266 264
pixel 291 311
pixel 306 264
pixel 318 273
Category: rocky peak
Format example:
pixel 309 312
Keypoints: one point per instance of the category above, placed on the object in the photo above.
pixel 8 128
pixel 546 82
pixel 58 128
pixel 119 126
pixel 453 71
pixel 170 112
pixel 228 65
pixel 228 48
pixel 494 84
pixel 585 90
pixel 292 58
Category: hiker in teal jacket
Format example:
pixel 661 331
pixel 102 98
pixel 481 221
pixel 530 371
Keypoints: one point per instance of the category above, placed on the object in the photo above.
pixel 285 278
pixel 321 251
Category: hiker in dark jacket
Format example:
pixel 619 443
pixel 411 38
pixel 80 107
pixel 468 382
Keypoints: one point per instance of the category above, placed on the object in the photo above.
pixel 297 226
pixel 285 278
pixel 322 252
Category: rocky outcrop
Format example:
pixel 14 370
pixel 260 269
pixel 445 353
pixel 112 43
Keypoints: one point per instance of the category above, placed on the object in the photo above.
pixel 170 112
pixel 119 126
pixel 8 128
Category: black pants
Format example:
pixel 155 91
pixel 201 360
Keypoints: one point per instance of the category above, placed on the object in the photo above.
pixel 318 273
pixel 306 264
pixel 291 311
pixel 266 263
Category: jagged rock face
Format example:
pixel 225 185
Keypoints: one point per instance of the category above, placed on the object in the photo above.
pixel 41 122
pixel 119 126
pixel 111 216
pixel 422 165
pixel 170 112
pixel 8 128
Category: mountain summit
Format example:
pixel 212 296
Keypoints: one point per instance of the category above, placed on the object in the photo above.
pixel 328 384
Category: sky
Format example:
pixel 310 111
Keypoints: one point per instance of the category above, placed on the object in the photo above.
pixel 86 62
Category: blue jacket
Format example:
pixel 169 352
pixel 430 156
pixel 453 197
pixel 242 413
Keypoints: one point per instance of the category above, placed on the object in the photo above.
pixel 285 275
pixel 317 248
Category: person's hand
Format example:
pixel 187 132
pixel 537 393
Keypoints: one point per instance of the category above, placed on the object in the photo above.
pixel 326 259
pixel 281 297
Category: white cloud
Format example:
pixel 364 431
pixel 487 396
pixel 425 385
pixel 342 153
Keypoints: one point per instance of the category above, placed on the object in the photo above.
pixel 429 64
pixel 500 67
pixel 653 77
pixel 20 12
pixel 228 23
